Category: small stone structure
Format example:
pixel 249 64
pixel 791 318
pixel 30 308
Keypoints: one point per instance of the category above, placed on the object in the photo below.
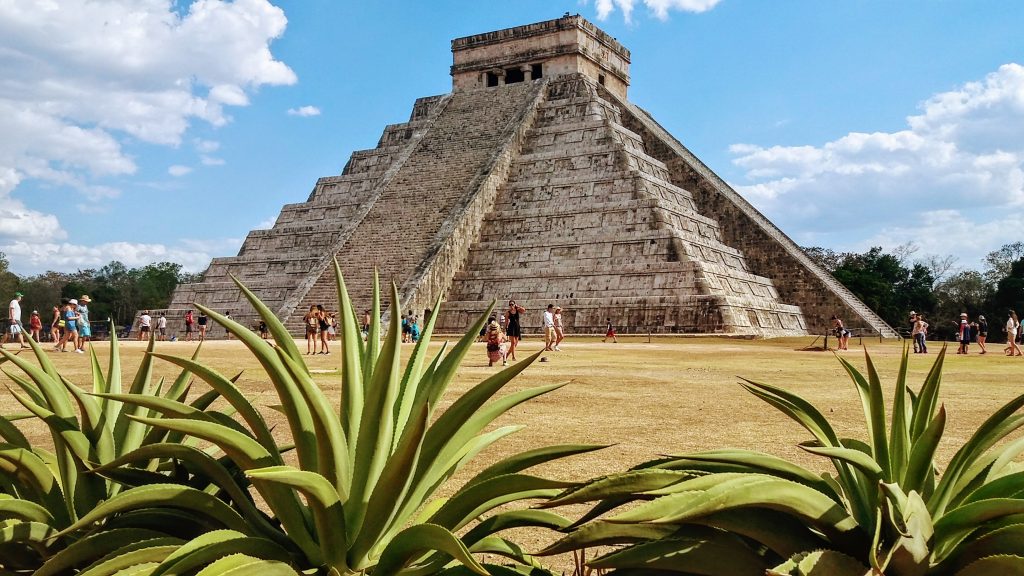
pixel 536 179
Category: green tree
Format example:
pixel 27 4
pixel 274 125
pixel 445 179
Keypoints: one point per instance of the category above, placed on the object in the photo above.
pixel 1009 295
pixel 966 291
pixel 886 285
pixel 999 262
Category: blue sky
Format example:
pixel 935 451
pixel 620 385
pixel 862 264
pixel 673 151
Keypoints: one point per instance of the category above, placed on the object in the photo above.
pixel 148 130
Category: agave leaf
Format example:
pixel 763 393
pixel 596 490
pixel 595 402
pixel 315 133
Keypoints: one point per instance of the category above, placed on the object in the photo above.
pixel 128 433
pixel 957 524
pixel 145 553
pixel 475 500
pixel 242 565
pixel 602 533
pixel 325 502
pixel 531 458
pixel 37 534
pixel 408 387
pixel 870 392
pixel 1008 540
pixel 377 425
pixel 702 551
pixel 112 383
pixel 213 545
pixel 297 414
pixel 751 461
pixel 994 429
pixel 384 505
pixel 899 433
pixel 445 370
pixel 927 400
pixel 31 472
pixel 626 483
pixel 859 460
pixel 332 447
pixel 156 495
pixel 820 563
pixel 373 338
pixel 93 547
pixel 243 449
pixel 352 350
pixel 515 519
pixel 413 541
pixel 230 392
pixel 282 338
pixel 911 552
pixel 503 547
pixel 1009 486
pixel 921 467
pixel 94 423
pixel 781 533
pixel 24 510
pixel 1004 565
pixel 11 434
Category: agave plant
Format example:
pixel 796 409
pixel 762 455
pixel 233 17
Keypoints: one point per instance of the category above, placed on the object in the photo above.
pixel 886 509
pixel 358 495
pixel 44 492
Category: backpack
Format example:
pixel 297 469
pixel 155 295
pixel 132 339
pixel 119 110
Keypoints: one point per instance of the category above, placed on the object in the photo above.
pixel 493 340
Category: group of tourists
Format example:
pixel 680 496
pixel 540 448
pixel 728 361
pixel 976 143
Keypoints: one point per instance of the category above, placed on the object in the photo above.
pixel 321 326
pixel 968 332
pixel 504 331
pixel 410 328
pixel 70 324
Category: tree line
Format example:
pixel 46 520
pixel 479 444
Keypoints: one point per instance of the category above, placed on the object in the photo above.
pixel 116 290
pixel 895 283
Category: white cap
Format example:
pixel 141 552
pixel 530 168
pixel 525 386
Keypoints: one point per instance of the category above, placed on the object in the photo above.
pixel 73 301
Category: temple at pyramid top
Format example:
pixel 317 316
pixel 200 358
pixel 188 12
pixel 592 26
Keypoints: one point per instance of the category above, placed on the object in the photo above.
pixel 536 180
pixel 566 45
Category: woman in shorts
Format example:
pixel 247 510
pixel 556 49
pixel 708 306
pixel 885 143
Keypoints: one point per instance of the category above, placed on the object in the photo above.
pixel 56 325
pixel 310 322
pixel 322 323
pixel 514 331
pixel 559 332
pixel 201 322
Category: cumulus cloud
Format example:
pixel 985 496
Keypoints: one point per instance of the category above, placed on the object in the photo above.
pixel 84 80
pixel 659 8
pixel 39 256
pixel 305 111
pixel 178 170
pixel 945 180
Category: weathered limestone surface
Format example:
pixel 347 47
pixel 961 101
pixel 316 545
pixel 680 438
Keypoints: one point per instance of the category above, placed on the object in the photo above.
pixel 547 186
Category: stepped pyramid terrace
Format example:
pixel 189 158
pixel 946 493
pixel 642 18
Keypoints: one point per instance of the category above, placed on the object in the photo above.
pixel 536 179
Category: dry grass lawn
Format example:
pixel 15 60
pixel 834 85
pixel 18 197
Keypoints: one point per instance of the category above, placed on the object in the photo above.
pixel 666 396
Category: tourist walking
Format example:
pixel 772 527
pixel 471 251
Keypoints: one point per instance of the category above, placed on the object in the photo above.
pixel 35 326
pixel 71 318
pixel 842 334
pixel 14 317
pixel 920 335
pixel 514 331
pixel 145 325
pixel 1012 327
pixel 982 332
pixel 55 325
pixel 609 331
pixel 495 343
pixel 190 321
pixel 201 322
pixel 549 328
pixel 559 330
pixel 310 322
pixel 963 334
pixel 84 325
pixel 321 319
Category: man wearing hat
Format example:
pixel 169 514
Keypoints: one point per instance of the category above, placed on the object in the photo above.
pixel 84 328
pixel 963 334
pixel 14 317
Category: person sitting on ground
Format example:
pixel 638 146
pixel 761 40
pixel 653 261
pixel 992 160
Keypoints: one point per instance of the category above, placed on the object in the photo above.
pixel 495 343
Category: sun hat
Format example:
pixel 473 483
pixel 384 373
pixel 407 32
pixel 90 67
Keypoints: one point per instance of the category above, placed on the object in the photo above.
pixel 963 314
pixel 35 312
pixel 73 301
pixel 85 298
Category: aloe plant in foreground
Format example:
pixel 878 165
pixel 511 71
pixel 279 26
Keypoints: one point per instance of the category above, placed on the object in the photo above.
pixel 45 490
pixel 359 497
pixel 885 510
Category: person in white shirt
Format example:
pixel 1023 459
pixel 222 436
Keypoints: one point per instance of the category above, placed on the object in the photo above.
pixel 1012 326
pixel 161 326
pixel 549 327
pixel 145 324
pixel 14 318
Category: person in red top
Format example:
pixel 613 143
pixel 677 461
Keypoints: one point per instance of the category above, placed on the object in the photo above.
pixel 189 324
pixel 35 326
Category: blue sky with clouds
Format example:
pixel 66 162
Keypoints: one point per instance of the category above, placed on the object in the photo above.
pixel 148 130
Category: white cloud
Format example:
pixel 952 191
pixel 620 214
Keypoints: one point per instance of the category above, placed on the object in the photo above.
pixel 84 80
pixel 659 8
pixel 32 257
pixel 266 224
pixel 206 146
pixel 211 160
pixel 178 170
pixel 305 111
pixel 947 178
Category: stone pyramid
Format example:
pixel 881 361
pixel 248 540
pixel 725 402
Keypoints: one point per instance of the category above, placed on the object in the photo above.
pixel 536 179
